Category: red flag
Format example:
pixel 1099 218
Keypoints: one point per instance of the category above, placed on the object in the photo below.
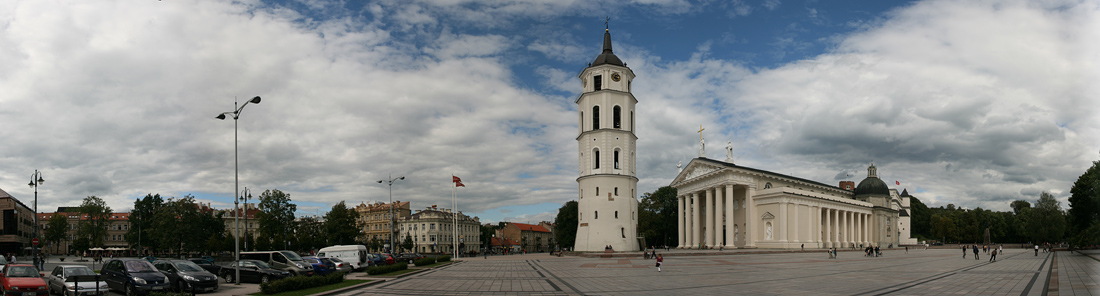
pixel 896 182
pixel 458 182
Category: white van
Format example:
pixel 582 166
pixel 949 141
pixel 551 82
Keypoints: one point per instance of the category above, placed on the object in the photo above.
pixel 354 254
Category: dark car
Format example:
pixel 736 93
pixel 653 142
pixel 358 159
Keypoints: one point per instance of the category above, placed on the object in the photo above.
pixel 252 271
pixel 134 276
pixel 376 259
pixel 318 266
pixel 208 265
pixel 409 257
pixel 186 276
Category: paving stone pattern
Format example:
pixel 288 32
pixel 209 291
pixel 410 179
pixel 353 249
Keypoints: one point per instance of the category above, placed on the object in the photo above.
pixel 921 272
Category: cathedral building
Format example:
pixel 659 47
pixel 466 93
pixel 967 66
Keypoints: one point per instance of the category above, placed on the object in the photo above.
pixel 721 204
pixel 608 202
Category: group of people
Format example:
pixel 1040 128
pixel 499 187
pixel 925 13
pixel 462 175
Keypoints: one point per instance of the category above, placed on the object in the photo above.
pixel 987 249
pixel 39 261
pixel 872 251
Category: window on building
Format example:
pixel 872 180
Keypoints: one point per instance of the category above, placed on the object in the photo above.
pixel 597 215
pixel 595 117
pixel 433 226
pixel 596 153
pixel 616 214
pixel 616 159
pixel 623 231
pixel 616 191
pixel 597 82
pixel 616 117
pixel 597 191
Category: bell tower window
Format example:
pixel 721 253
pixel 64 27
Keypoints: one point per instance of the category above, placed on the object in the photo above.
pixel 616 117
pixel 595 117
pixel 596 152
pixel 616 159
pixel 597 82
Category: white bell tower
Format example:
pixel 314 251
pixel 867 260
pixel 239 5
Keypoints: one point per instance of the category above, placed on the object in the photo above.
pixel 608 201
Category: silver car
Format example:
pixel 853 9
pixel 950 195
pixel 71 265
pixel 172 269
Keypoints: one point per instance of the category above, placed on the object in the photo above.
pixel 63 281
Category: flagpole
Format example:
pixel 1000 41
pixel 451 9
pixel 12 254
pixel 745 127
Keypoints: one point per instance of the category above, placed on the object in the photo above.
pixel 454 226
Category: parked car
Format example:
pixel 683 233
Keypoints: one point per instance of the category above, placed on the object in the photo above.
pixel 283 260
pixel 389 258
pixel 252 271
pixel 209 266
pixel 341 265
pixel 409 257
pixel 355 255
pixel 187 276
pixel 75 280
pixel 22 279
pixel 319 268
pixel 134 276
pixel 376 259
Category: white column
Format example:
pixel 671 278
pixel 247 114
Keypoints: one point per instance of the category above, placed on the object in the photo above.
pixel 680 216
pixel 867 228
pixel 709 200
pixel 851 228
pixel 689 232
pixel 697 223
pixel 844 228
pixel 816 225
pixel 729 217
pixel 795 233
pixel 830 234
pixel 719 218
pixel 750 217
pixel 783 221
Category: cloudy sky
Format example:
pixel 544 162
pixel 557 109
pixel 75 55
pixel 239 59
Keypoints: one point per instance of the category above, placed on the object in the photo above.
pixel 975 103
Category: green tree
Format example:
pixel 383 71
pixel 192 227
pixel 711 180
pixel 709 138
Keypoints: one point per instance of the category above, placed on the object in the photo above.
pixel 408 243
pixel 81 245
pixel 943 228
pixel 566 224
pixel 308 234
pixel 1047 223
pixel 94 228
pixel 657 217
pixel 141 222
pixel 341 227
pixel 1019 205
pixel 1084 207
pixel 921 219
pixel 276 217
pixel 56 230
pixel 487 234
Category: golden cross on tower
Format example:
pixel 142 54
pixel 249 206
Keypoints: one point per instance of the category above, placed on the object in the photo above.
pixel 701 132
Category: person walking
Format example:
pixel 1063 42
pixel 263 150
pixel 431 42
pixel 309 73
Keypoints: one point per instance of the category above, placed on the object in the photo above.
pixel 975 252
pixel 964 252
pixel 1036 251
pixel 907 249
pixel 659 261
pixel 993 256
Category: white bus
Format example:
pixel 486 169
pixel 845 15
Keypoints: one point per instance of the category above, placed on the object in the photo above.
pixel 356 255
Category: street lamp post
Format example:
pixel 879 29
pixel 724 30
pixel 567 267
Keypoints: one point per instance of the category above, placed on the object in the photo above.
pixel 236 179
pixel 36 179
pixel 390 183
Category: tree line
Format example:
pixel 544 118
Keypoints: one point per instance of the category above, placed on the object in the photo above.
pixel 181 225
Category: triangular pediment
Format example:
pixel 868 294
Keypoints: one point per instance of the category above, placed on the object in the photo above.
pixel 696 169
pixel 767 215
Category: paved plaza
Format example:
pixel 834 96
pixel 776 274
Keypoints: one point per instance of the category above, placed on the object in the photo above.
pixel 920 272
